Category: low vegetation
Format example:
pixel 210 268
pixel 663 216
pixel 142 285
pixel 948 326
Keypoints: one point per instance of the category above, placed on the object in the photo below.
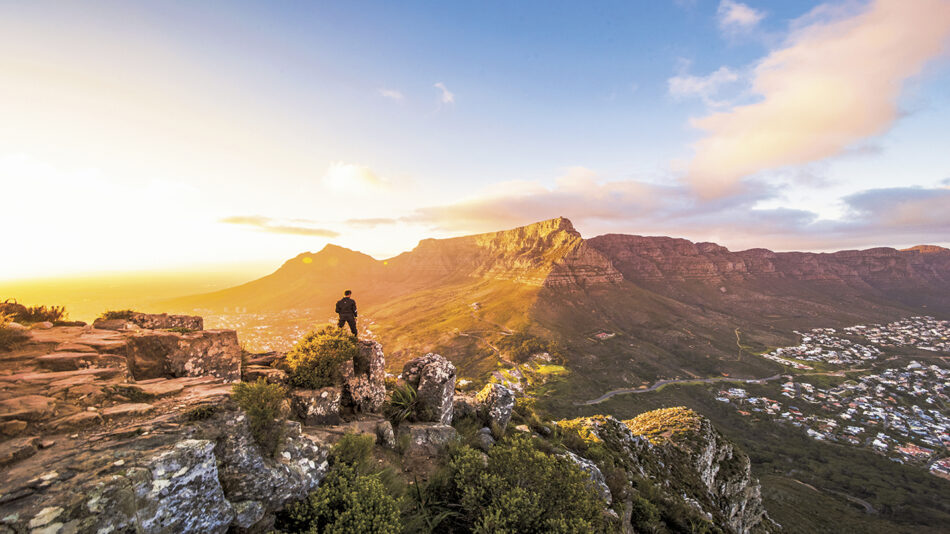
pixel 315 360
pixel 352 499
pixel 401 404
pixel 32 314
pixel 519 489
pixel 520 346
pixel 661 425
pixel 263 403
pixel 10 335
pixel 117 314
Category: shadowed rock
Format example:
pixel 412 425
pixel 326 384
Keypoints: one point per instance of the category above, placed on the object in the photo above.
pixel 154 354
pixel 433 378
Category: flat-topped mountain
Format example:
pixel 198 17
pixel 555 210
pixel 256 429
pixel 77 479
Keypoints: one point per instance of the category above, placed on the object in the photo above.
pixel 677 308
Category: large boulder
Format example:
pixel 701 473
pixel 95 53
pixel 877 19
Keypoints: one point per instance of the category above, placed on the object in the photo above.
pixel 494 404
pixel 317 406
pixel 433 378
pixel 184 494
pixel 425 440
pixel 248 475
pixel 364 378
pixel 156 354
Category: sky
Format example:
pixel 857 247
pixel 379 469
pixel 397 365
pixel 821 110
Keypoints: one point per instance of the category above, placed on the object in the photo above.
pixel 140 136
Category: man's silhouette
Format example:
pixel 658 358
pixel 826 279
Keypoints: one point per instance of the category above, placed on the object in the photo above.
pixel 346 307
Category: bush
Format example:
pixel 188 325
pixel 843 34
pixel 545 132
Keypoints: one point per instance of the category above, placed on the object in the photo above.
pixel 315 360
pixel 345 503
pixel 354 450
pixel 520 489
pixel 659 426
pixel 10 337
pixel 263 403
pixel 644 517
pixel 32 314
pixel 402 404
pixel 117 314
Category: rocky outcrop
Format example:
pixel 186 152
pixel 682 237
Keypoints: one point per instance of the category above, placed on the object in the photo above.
pixel 494 404
pixel 433 378
pixel 364 378
pixel 151 321
pixel 692 463
pixel 158 354
pixel 424 440
pixel 317 406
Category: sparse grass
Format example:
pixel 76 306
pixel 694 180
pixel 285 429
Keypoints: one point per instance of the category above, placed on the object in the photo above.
pixel 10 337
pixel 181 330
pixel 117 314
pixel 201 412
pixel 660 426
pixel 549 369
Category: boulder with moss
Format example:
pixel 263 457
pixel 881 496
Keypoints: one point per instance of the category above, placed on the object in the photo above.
pixel 433 378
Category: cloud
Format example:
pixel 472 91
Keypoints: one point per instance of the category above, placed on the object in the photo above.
pixel 734 17
pixel 350 178
pixel 274 226
pixel 448 97
pixel 371 222
pixel 705 87
pixel 834 83
pixel 879 217
pixel 391 94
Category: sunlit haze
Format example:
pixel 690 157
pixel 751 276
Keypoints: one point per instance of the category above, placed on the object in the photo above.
pixel 140 136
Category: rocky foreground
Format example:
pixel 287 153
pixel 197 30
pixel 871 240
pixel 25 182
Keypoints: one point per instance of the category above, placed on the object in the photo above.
pixel 128 426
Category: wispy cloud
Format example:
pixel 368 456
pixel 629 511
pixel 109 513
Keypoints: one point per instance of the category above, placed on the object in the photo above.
pixel 734 17
pixel 835 82
pixel 448 97
pixel 391 94
pixel 706 87
pixel 350 177
pixel 878 217
pixel 372 222
pixel 277 226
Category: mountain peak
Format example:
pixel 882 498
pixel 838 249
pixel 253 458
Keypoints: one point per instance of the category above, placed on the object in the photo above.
pixel 926 249
pixel 550 226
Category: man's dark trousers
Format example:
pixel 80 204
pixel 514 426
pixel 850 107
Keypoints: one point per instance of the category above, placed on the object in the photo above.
pixel 348 319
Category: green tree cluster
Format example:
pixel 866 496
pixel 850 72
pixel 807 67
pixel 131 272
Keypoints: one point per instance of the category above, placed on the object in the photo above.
pixel 520 346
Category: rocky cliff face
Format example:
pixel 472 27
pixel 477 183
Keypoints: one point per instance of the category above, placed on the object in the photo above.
pixel 651 259
pixel 693 464
pixel 549 253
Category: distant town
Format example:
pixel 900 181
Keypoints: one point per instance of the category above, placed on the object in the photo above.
pixel 900 412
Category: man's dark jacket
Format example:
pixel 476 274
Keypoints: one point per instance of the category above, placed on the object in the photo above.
pixel 346 307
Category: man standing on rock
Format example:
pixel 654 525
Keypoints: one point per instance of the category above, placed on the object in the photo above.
pixel 346 308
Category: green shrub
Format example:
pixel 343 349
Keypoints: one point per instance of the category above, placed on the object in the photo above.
pixel 401 404
pixel 520 346
pixel 262 402
pixel 345 503
pixel 315 360
pixel 10 337
pixel 521 489
pixel 645 517
pixel 117 314
pixel 354 450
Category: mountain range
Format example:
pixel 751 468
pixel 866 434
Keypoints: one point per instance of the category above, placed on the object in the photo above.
pixel 676 309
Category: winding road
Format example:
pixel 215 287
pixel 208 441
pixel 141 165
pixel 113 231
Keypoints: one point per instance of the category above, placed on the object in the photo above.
pixel 660 383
